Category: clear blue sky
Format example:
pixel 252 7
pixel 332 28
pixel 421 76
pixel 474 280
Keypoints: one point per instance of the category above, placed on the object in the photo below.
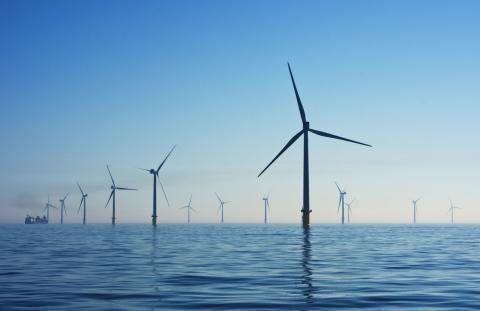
pixel 85 83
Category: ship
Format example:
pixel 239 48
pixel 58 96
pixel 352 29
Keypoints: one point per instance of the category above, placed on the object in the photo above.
pixel 30 220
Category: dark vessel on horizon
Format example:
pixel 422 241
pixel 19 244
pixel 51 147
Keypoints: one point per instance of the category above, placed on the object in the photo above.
pixel 30 220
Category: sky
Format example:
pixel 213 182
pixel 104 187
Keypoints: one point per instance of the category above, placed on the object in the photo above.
pixel 86 83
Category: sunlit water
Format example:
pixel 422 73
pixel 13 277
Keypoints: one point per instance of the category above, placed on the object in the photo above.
pixel 137 267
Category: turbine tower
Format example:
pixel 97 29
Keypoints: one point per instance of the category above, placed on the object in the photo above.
pixel 341 202
pixel 112 194
pixel 452 208
pixel 304 131
pixel 349 209
pixel 267 206
pixel 414 203
pixel 154 172
pixel 222 203
pixel 47 208
pixel 84 201
pixel 189 207
pixel 63 208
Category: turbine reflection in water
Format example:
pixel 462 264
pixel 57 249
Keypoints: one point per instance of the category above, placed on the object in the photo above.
pixel 308 288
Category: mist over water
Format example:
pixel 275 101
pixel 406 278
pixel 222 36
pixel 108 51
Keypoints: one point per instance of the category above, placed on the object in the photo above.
pixel 257 267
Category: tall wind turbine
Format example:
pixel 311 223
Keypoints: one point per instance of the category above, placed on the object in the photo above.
pixel 154 172
pixel 47 208
pixel 84 201
pixel 349 209
pixel 414 203
pixel 304 131
pixel 341 201
pixel 189 207
pixel 452 208
pixel 112 194
pixel 267 206
pixel 63 208
pixel 222 203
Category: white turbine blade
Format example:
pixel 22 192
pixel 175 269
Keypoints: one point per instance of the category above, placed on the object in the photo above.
pixel 110 173
pixel 111 194
pixel 218 197
pixel 121 188
pixel 80 188
pixel 163 190
pixel 338 187
pixel 289 143
pixel 78 211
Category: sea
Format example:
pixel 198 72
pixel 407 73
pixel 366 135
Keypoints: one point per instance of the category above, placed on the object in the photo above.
pixel 239 267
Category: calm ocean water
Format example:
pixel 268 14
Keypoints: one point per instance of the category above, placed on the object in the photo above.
pixel 257 267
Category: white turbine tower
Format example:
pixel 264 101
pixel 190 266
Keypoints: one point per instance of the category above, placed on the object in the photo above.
pixel 414 203
pixel 47 208
pixel 451 209
pixel 220 207
pixel 189 208
pixel 349 209
pixel 341 201
pixel 63 208
pixel 266 206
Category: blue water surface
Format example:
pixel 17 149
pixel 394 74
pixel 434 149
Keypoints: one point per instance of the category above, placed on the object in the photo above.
pixel 224 267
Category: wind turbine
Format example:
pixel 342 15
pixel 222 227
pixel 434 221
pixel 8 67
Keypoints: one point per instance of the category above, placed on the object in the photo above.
pixel 189 207
pixel 84 201
pixel 267 205
pixel 304 131
pixel 341 202
pixel 154 172
pixel 452 208
pixel 63 208
pixel 349 209
pixel 47 208
pixel 222 203
pixel 414 203
pixel 112 194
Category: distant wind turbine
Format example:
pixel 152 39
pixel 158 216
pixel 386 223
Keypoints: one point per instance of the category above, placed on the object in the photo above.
pixel 84 201
pixel 154 172
pixel 112 194
pixel 63 208
pixel 222 203
pixel 305 130
pixel 349 209
pixel 189 207
pixel 414 203
pixel 452 208
pixel 47 208
pixel 267 206
pixel 341 202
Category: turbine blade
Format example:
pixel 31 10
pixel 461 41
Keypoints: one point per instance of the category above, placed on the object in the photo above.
pixel 66 197
pixel 163 190
pixel 121 188
pixel 111 194
pixel 78 211
pixel 193 209
pixel 325 134
pixel 338 187
pixel 218 197
pixel 80 188
pixel 290 142
pixel 163 162
pixel 143 169
pixel 110 173
pixel 227 202
pixel 299 102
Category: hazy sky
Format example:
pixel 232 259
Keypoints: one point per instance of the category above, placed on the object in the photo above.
pixel 85 83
